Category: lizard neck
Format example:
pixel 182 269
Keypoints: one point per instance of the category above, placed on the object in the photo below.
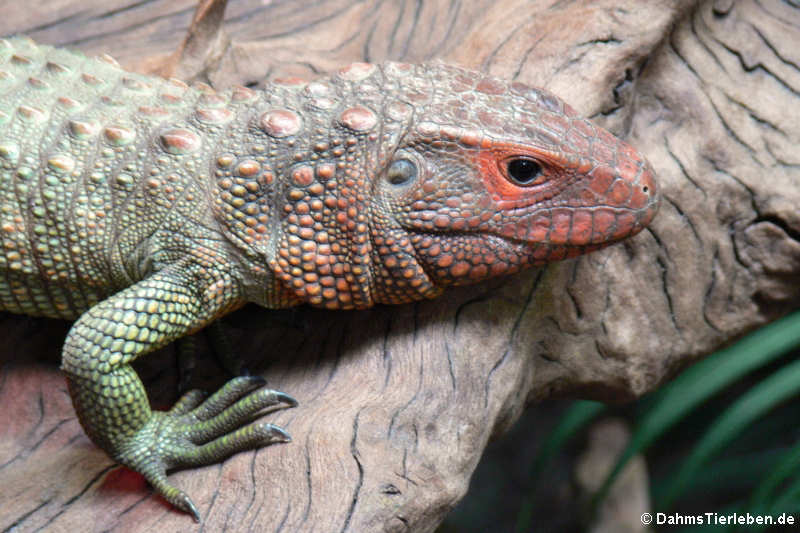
pixel 295 203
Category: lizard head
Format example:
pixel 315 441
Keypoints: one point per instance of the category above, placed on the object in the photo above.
pixel 399 180
pixel 492 177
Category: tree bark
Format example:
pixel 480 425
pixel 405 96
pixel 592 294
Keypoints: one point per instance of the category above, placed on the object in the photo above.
pixel 398 403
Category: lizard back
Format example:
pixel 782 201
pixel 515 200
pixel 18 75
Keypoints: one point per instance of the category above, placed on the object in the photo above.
pixel 88 184
pixel 383 183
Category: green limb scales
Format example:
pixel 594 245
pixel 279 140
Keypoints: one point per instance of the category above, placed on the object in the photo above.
pixel 112 404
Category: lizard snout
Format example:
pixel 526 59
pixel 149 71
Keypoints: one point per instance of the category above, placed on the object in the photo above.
pixel 641 198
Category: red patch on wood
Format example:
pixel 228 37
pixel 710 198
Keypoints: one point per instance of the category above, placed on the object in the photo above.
pixel 124 479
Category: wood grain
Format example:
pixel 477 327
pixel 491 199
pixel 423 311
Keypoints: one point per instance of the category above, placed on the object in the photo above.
pixel 397 403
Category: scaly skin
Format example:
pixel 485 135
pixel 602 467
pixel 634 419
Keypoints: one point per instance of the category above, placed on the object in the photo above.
pixel 146 209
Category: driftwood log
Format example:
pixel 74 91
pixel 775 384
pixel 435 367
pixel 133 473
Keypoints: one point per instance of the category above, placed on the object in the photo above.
pixel 397 403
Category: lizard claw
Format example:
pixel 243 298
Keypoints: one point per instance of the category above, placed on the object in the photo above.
pixel 199 431
pixel 286 399
pixel 173 495
pixel 278 433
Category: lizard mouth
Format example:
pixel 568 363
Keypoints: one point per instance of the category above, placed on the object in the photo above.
pixel 579 227
pixel 572 227
pixel 458 257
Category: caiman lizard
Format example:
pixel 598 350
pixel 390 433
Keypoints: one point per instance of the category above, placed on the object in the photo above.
pixel 144 209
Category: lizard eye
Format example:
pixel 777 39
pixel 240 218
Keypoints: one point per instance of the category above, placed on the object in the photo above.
pixel 523 172
pixel 401 172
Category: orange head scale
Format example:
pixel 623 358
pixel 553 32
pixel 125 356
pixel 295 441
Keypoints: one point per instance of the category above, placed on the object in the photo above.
pixel 445 176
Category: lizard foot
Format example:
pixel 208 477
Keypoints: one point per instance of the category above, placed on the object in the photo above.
pixel 198 432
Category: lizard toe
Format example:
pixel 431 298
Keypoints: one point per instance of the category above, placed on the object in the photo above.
pixel 227 395
pixel 173 495
pixel 245 438
pixel 231 411
pixel 197 432
pixel 187 402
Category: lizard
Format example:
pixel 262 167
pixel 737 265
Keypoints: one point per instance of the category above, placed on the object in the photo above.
pixel 144 209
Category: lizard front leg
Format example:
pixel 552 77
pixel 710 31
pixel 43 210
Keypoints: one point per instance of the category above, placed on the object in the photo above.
pixel 112 404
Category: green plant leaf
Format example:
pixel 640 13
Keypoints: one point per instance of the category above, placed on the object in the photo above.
pixel 788 501
pixel 764 493
pixel 731 472
pixel 703 380
pixel 778 387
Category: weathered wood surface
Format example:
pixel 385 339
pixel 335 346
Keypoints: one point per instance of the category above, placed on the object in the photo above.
pixel 398 403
